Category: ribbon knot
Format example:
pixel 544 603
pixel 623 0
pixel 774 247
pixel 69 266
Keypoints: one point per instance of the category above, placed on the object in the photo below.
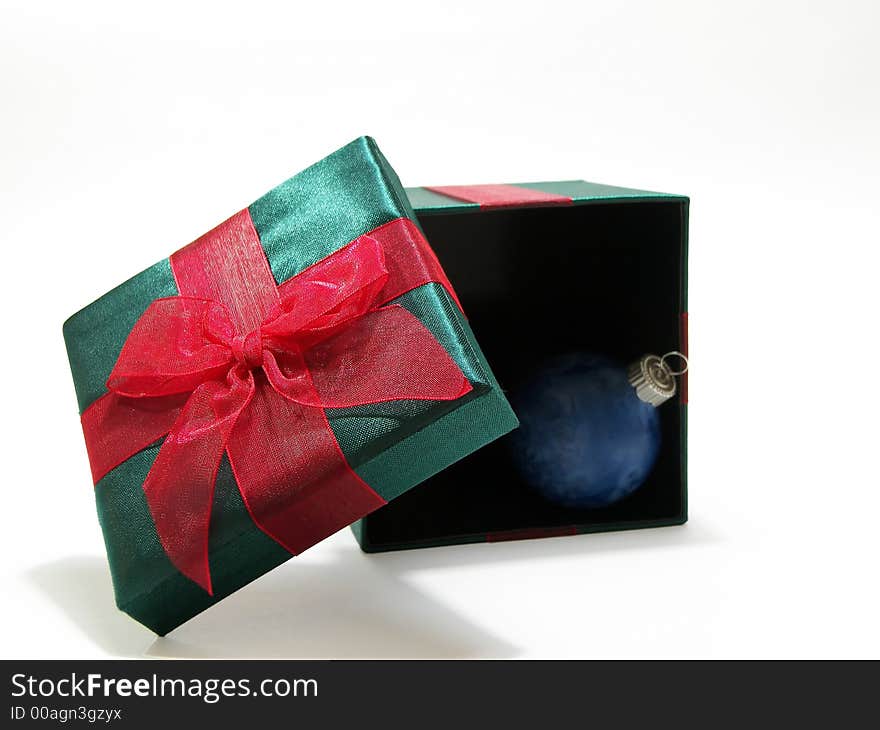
pixel 324 339
pixel 248 350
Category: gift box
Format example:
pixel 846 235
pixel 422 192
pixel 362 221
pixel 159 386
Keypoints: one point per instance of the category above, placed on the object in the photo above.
pixel 297 367
pixel 544 269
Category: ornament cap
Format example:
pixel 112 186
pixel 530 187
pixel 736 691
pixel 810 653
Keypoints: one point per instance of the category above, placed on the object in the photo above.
pixel 653 379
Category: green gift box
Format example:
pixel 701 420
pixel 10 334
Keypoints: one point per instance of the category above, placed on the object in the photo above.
pixel 295 368
pixel 544 269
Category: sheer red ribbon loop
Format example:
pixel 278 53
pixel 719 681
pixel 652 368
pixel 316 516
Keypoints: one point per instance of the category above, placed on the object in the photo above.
pixel 238 365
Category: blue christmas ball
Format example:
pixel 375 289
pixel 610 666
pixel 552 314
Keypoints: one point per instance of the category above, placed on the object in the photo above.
pixel 586 439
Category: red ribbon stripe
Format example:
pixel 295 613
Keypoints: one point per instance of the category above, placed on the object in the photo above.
pixel 500 196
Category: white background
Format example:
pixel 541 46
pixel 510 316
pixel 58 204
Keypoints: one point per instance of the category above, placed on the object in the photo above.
pixel 125 134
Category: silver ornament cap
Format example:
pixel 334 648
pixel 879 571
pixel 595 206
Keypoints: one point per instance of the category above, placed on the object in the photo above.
pixel 653 379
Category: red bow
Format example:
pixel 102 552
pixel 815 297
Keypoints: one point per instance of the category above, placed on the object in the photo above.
pixel 257 365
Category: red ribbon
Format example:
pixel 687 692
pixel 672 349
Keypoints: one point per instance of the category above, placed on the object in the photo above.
pixel 236 364
pixel 500 196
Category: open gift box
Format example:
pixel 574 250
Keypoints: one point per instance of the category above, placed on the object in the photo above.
pixel 307 365
pixel 543 269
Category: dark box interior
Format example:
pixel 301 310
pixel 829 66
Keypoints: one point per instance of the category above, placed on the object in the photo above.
pixel 609 278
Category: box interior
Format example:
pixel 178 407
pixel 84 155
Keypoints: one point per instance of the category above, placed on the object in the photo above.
pixel 534 283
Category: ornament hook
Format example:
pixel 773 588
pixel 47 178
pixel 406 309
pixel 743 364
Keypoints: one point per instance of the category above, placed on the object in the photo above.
pixel 683 358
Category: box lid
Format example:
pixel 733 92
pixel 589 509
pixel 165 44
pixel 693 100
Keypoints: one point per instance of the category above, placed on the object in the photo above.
pixel 325 450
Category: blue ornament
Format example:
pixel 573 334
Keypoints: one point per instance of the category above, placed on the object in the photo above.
pixel 590 430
